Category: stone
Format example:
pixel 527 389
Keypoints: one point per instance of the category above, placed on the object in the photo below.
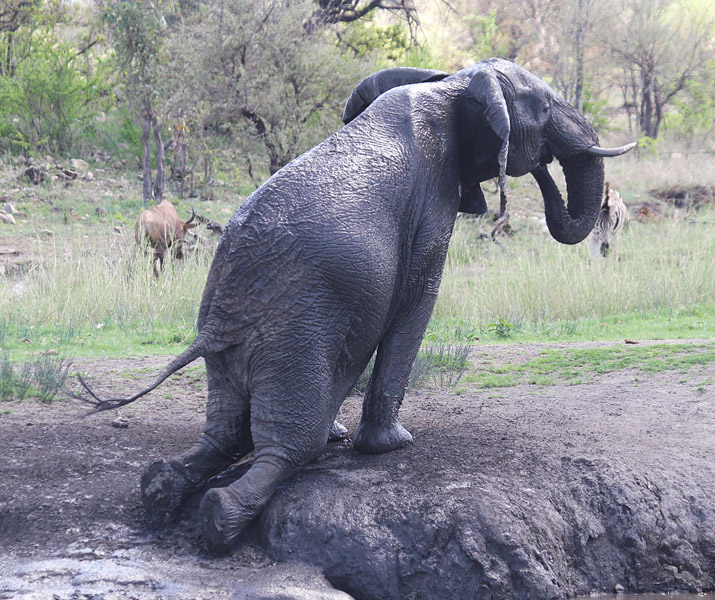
pixel 291 581
pixel 80 166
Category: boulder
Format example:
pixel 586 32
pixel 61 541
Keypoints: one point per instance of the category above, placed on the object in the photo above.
pixel 529 496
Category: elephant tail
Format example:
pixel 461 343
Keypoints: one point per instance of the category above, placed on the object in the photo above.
pixel 198 348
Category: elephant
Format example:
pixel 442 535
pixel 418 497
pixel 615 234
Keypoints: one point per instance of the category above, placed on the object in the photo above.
pixel 340 255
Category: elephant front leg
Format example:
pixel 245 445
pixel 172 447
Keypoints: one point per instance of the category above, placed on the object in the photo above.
pixel 380 430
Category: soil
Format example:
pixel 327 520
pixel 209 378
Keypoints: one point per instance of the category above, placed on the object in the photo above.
pixel 525 492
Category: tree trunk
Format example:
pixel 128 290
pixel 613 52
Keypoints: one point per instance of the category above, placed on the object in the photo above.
pixel 647 124
pixel 160 182
pixel 146 166
pixel 580 35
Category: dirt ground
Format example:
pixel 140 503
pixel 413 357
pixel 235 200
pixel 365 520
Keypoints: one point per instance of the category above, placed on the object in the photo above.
pixel 72 525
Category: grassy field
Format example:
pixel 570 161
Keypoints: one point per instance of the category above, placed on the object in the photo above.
pixel 86 290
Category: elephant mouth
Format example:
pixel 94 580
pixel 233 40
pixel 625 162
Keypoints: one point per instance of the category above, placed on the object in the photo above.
pixel 545 156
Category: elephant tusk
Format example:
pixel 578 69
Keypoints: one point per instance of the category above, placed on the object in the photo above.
pixel 598 151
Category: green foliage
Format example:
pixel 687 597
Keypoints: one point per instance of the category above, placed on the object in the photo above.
pixel 389 43
pixel 48 96
pixel 577 365
pixel 278 97
pixel 596 109
pixel 502 328
pixel 647 146
pixel 487 40
pixel 137 29
pixel 444 363
pixel 551 291
pixel 694 114
pixel 42 377
pixel 422 57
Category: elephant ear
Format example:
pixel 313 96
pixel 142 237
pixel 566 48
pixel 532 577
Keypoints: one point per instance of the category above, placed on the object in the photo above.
pixel 485 89
pixel 378 83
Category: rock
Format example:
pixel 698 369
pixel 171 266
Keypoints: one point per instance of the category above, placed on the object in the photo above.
pixel 110 572
pixel 649 214
pixel 67 175
pixel 80 166
pixel 35 174
pixel 292 581
pixel 88 176
pixel 7 219
pixel 9 208
pixel 535 497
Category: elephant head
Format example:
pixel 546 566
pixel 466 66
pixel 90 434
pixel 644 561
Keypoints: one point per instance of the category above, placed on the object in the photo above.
pixel 529 125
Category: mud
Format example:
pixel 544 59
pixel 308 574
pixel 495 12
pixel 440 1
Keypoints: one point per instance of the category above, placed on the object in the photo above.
pixel 521 492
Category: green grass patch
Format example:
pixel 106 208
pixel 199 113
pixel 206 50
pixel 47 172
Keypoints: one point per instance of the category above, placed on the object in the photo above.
pixel 578 365
pixel 694 322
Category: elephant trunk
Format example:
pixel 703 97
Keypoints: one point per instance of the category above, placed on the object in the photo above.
pixel 585 177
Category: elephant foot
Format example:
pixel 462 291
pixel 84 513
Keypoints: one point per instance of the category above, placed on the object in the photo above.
pixel 373 439
pixel 163 489
pixel 337 432
pixel 222 520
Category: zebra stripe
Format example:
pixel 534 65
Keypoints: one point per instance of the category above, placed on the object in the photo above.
pixel 612 219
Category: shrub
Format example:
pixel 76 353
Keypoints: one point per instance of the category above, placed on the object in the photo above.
pixel 47 96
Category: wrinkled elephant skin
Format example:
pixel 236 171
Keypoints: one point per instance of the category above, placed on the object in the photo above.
pixel 340 254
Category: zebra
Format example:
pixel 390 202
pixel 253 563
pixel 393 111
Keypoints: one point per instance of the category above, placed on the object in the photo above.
pixel 611 220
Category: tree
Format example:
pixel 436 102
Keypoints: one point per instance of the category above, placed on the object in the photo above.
pixel 659 45
pixel 347 11
pixel 48 95
pixel 137 29
pixel 254 68
pixel 13 15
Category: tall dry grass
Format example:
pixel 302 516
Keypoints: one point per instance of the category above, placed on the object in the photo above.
pixel 532 279
pixel 108 283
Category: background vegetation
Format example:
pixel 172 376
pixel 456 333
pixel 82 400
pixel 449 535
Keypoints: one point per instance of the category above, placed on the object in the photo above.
pixel 202 101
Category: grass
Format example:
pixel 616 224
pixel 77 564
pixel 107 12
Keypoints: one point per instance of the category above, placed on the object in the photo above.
pixel 86 291
pixel 658 284
pixel 42 377
pixel 579 365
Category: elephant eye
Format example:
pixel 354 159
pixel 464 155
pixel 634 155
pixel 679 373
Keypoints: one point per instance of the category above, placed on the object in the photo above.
pixel 546 108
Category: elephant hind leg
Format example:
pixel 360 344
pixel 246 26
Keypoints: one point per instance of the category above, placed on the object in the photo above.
pixel 226 512
pixel 379 429
pixel 165 485
pixel 287 435
pixel 226 439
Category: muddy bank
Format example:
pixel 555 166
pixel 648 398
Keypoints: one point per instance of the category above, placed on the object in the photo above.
pixel 525 492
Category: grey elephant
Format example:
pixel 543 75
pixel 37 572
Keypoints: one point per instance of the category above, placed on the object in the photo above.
pixel 339 255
